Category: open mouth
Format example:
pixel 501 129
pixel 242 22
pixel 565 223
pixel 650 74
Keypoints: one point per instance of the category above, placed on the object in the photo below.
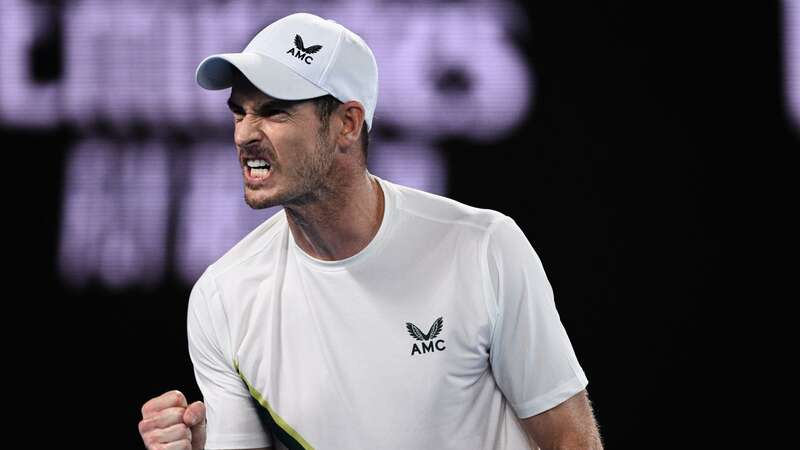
pixel 257 168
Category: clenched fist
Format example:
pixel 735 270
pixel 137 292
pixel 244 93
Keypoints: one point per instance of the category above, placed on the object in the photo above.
pixel 168 423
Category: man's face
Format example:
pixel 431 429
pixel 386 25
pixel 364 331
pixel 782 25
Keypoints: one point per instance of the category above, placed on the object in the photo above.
pixel 288 136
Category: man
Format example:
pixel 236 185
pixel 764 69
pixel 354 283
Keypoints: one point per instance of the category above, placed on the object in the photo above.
pixel 365 314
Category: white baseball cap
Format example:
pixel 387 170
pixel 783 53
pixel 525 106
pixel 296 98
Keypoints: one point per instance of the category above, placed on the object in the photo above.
pixel 298 57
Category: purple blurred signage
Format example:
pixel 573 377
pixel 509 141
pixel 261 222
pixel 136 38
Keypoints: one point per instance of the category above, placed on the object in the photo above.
pixel 445 69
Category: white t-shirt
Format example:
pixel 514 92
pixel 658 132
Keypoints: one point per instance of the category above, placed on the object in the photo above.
pixel 440 333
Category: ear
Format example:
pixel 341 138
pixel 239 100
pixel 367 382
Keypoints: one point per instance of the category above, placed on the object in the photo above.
pixel 352 116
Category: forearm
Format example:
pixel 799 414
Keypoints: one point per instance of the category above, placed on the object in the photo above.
pixel 568 426
pixel 574 443
pixel 587 439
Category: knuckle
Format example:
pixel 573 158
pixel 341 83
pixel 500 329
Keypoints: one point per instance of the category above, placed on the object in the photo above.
pixel 153 437
pixel 149 440
pixel 143 426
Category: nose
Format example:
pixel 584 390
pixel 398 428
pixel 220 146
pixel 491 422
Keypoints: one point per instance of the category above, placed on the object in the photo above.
pixel 246 132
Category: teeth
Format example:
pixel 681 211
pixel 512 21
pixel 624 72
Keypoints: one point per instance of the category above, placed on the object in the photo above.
pixel 259 173
pixel 257 163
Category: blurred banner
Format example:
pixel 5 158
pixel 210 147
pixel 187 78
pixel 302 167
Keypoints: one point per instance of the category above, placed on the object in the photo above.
pixel 152 184
pixel 791 51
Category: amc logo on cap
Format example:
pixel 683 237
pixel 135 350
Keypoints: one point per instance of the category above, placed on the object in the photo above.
pixel 302 53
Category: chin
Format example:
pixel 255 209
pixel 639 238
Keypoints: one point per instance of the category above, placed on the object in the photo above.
pixel 257 200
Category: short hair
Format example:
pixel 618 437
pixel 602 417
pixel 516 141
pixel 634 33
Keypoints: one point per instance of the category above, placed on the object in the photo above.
pixel 326 105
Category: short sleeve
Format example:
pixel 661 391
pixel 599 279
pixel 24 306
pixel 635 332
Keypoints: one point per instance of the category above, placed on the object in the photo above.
pixel 532 359
pixel 232 416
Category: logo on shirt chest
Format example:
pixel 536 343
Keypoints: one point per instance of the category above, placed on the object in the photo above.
pixel 428 344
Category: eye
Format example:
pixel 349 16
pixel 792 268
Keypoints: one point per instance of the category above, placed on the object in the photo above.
pixel 273 112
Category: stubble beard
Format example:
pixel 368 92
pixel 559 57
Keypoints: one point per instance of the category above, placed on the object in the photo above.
pixel 305 184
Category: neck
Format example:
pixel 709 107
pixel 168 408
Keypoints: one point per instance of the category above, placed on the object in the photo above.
pixel 342 223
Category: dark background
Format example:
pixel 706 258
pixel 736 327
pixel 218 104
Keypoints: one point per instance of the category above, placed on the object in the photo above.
pixel 641 166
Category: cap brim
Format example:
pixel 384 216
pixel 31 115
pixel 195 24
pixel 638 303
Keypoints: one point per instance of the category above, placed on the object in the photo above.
pixel 269 76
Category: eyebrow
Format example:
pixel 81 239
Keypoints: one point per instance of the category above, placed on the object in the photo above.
pixel 265 106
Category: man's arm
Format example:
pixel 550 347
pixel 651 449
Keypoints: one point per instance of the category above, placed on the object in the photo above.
pixel 570 425
pixel 232 415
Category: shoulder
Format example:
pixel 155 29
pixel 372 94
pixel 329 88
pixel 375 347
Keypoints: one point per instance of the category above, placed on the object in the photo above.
pixel 256 242
pixel 432 208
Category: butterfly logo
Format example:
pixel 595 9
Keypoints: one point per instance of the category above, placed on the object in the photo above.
pixel 417 334
pixel 298 42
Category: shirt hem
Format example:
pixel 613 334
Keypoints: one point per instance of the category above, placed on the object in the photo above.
pixel 553 398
